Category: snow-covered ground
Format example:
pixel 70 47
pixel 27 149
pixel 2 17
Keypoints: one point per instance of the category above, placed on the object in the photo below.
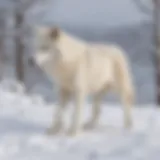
pixel 24 119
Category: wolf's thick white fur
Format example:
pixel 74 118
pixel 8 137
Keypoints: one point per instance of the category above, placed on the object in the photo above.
pixel 79 69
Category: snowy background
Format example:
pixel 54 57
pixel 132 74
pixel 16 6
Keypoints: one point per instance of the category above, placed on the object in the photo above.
pixel 24 116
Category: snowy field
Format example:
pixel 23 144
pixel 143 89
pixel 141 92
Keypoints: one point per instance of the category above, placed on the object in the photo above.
pixel 25 118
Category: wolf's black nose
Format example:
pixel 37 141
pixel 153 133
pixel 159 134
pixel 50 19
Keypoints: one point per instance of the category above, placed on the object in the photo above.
pixel 31 62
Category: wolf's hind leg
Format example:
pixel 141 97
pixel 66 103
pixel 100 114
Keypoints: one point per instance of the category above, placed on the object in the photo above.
pixel 127 107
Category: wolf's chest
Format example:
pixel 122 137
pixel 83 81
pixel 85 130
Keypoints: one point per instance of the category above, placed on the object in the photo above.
pixel 63 75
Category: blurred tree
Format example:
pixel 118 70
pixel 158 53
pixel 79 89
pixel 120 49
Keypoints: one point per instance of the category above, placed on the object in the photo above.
pixel 155 14
pixel 21 7
pixel 19 48
pixel 2 39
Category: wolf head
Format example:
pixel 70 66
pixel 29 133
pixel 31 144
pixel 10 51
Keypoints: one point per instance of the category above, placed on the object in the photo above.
pixel 56 45
pixel 46 40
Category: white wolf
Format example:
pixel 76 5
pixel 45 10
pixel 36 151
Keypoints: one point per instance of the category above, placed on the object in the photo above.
pixel 79 69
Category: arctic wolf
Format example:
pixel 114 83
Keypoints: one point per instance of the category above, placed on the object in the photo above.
pixel 79 69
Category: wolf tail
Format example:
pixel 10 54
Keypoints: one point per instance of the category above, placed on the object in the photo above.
pixel 123 75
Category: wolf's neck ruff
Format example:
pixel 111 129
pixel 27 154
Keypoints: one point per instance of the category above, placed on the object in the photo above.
pixel 70 47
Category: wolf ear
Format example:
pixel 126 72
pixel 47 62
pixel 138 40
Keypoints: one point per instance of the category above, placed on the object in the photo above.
pixel 54 33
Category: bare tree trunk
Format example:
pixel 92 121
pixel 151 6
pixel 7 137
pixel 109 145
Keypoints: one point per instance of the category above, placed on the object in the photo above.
pixel 19 20
pixel 156 20
pixel 2 26
pixel 2 40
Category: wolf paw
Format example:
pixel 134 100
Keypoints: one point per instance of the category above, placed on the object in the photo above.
pixel 73 132
pixel 55 129
pixel 90 125
pixel 128 124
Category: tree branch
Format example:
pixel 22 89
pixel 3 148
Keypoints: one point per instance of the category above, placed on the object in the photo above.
pixel 24 5
pixel 142 7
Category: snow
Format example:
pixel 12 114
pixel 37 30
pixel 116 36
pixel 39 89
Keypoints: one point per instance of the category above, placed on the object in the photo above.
pixel 24 119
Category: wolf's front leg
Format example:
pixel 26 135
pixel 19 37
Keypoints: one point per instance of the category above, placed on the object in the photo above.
pixel 95 112
pixel 58 124
pixel 76 125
